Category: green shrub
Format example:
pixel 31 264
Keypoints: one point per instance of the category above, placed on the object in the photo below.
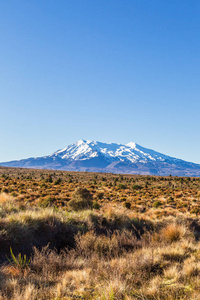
pixel 81 199
pixel 156 204
pixel 121 186
pixel 136 187
pixel 48 201
pixel 96 205
pixel 58 181
pixel 49 179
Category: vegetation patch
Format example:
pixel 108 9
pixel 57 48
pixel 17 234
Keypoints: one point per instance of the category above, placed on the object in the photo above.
pixel 66 235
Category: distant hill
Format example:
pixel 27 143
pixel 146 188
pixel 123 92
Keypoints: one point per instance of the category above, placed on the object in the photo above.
pixel 95 156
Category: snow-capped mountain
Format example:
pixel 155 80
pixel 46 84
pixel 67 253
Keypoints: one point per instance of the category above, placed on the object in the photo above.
pixel 116 158
pixel 132 152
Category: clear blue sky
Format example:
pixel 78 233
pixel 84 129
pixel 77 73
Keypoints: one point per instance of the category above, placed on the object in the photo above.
pixel 107 70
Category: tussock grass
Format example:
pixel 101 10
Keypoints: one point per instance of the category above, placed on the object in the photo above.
pixel 173 232
pixel 137 260
pixel 110 250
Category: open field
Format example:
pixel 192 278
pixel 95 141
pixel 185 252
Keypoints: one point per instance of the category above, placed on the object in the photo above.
pixel 66 235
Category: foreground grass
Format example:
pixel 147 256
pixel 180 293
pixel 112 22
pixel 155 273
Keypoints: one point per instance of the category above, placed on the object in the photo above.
pixel 50 251
pixel 98 254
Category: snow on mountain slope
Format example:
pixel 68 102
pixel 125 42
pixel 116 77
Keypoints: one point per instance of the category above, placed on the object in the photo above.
pixel 132 152
pixel 87 155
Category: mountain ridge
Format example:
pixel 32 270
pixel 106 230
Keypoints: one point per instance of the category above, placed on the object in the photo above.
pixel 94 156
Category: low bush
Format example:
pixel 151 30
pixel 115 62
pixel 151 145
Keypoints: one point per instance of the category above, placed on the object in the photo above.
pixel 156 204
pixel 81 199
pixel 136 187
pixel 47 202
pixel 96 205
pixel 122 186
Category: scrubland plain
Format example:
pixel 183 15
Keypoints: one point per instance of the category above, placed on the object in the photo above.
pixel 67 235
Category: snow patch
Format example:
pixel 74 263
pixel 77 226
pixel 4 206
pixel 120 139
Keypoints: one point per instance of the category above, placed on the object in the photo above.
pixel 131 152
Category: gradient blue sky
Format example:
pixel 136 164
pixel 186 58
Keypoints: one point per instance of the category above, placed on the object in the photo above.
pixel 107 70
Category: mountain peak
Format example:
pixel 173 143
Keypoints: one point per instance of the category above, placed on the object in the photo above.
pixel 80 142
pixel 89 155
pixel 131 145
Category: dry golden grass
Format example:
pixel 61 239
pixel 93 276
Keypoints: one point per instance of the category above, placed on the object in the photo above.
pixel 173 232
pixel 149 249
